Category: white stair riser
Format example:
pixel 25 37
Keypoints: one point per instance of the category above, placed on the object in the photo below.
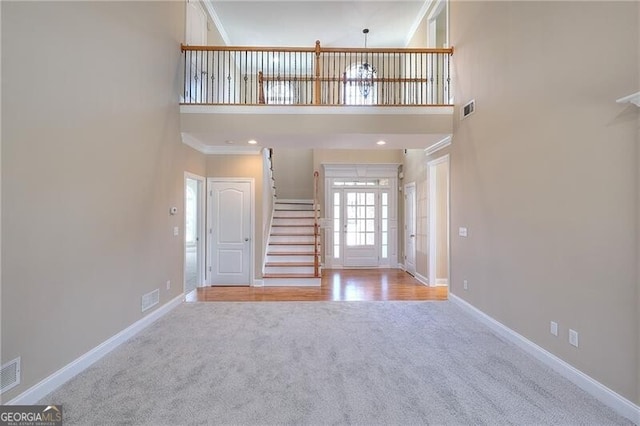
pixel 288 270
pixel 293 239
pixel 284 206
pixel 288 282
pixel 292 248
pixel 292 230
pixel 294 221
pixel 290 213
pixel 290 259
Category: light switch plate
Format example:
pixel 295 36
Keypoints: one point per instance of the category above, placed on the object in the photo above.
pixel 553 329
pixel 573 338
pixel 462 231
pixel 176 231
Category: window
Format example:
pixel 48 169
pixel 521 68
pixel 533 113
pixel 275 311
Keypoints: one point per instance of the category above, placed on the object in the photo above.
pixel 280 93
pixel 361 218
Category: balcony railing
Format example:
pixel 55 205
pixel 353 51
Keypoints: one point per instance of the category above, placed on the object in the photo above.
pixel 224 75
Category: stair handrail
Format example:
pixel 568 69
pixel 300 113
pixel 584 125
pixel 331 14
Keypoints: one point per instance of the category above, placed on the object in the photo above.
pixel 316 228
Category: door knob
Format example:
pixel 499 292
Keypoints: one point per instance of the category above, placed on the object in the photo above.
pixel 412 235
pixel 246 239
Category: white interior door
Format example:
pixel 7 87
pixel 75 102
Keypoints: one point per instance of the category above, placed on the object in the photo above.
pixel 230 232
pixel 361 224
pixel 410 228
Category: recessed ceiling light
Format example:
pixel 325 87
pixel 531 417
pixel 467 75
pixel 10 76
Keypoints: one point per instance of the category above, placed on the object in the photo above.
pixel 381 142
pixel 252 142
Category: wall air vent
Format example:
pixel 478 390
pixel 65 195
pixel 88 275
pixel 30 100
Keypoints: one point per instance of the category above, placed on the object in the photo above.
pixel 150 299
pixel 10 375
pixel 468 109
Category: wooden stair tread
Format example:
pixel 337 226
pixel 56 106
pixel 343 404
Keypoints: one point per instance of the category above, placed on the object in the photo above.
pixel 291 235
pixel 289 264
pixel 295 203
pixel 291 244
pixel 291 253
pixel 293 217
pixel 289 276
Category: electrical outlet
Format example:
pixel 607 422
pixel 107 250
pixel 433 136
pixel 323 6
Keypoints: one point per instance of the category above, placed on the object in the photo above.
pixel 168 284
pixel 573 338
pixel 553 329
pixel 465 285
pixel 462 231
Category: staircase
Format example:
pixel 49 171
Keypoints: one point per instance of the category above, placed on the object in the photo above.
pixel 291 254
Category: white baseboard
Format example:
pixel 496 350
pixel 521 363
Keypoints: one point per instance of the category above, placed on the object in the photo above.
pixel 257 283
pixel 424 280
pixel 401 266
pixel 57 379
pixel 617 402
pixel 442 282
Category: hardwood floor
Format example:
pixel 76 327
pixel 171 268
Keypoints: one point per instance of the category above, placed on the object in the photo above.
pixel 337 285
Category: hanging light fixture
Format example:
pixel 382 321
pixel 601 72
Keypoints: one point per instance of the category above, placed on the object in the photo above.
pixel 365 70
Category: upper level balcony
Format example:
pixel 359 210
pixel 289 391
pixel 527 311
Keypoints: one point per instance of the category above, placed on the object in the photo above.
pixel 340 91
pixel 225 75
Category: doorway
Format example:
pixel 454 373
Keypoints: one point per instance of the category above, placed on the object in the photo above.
pixel 410 228
pixel 438 174
pixel 230 230
pixel 193 232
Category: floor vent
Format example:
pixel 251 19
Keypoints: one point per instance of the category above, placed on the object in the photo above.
pixel 150 299
pixel 468 109
pixel 10 375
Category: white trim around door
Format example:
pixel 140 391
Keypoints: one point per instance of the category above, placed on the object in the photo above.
pixel 248 237
pixel 410 228
pixel 435 217
pixel 361 215
pixel 199 226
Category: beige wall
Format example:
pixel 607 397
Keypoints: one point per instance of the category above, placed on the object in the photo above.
pixel 419 38
pixel 91 163
pixel 544 175
pixel 244 166
pixel 638 223
pixel 293 173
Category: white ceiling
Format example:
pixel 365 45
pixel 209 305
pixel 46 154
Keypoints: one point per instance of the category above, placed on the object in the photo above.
pixel 335 23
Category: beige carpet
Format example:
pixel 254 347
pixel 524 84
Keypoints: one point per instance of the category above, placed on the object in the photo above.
pixel 296 363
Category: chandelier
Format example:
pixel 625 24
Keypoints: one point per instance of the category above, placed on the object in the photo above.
pixel 365 71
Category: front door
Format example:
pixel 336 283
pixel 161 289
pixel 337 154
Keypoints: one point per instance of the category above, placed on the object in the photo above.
pixel 229 232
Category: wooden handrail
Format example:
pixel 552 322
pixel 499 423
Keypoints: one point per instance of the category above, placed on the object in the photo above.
pixel 186 47
pixel 317 48
pixel 316 228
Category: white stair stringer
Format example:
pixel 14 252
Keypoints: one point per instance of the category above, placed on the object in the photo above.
pixel 289 260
